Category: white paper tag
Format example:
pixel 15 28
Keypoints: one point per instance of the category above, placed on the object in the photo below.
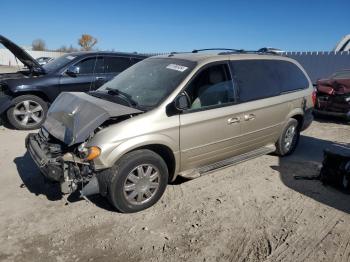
pixel 70 57
pixel 177 67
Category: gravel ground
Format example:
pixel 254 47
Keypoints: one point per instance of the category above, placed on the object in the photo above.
pixel 254 211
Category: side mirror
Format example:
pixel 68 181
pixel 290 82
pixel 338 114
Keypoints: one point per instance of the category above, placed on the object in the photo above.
pixel 182 102
pixel 73 71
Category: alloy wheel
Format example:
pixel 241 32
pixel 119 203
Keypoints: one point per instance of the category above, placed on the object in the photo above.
pixel 289 137
pixel 141 184
pixel 28 113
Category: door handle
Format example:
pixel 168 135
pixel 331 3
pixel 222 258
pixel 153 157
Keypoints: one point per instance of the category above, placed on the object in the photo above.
pixel 233 120
pixel 100 78
pixel 249 117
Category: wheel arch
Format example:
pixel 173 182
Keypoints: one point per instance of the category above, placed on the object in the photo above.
pixel 160 144
pixel 39 94
pixel 300 119
pixel 297 114
pixel 164 152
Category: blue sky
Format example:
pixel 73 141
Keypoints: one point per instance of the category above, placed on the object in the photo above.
pixel 161 26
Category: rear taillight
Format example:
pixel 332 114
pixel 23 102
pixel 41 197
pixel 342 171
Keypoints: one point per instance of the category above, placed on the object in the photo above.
pixel 313 96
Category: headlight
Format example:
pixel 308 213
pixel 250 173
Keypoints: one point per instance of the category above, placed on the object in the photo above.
pixel 347 99
pixel 93 152
pixel 89 153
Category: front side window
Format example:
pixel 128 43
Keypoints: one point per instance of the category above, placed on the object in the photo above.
pixel 93 65
pixel 150 81
pixel 211 87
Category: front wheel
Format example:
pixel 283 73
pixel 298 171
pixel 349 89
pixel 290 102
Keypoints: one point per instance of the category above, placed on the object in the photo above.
pixel 289 138
pixel 138 180
pixel 28 112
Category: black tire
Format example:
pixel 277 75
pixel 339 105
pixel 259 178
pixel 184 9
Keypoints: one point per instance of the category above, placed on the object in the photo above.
pixel 119 174
pixel 281 148
pixel 31 124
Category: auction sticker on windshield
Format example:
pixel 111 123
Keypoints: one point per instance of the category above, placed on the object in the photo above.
pixel 177 67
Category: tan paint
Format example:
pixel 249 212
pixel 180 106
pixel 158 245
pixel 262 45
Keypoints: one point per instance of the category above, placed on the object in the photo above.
pixel 203 137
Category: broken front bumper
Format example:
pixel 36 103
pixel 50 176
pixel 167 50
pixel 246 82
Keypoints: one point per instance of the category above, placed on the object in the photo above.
pixel 51 168
pixel 62 169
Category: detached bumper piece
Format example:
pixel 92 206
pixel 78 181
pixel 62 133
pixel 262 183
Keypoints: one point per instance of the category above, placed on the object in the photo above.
pixel 336 167
pixel 51 168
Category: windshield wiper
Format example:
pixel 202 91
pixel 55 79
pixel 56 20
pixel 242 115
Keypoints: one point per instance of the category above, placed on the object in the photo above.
pixel 124 96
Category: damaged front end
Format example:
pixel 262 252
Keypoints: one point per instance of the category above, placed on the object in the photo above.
pixel 60 163
pixel 333 99
pixel 59 149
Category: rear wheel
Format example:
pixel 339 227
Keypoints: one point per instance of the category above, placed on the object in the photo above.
pixel 289 138
pixel 28 112
pixel 138 180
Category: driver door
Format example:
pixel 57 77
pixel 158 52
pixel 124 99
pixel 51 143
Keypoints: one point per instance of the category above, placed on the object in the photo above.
pixel 210 130
pixel 90 77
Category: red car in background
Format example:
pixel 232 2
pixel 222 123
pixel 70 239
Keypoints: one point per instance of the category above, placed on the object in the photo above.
pixel 333 95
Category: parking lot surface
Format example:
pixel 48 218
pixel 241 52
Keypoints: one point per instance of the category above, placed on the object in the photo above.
pixel 253 211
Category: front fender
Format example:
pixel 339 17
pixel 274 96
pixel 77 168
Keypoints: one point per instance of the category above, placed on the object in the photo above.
pixel 5 103
pixel 107 160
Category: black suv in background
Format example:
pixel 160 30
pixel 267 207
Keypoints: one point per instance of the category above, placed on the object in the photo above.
pixel 26 95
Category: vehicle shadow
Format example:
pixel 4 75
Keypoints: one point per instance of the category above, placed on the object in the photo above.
pixel 36 184
pixel 306 162
pixel 96 200
pixel 34 181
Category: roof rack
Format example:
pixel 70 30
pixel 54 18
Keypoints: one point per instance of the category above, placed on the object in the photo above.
pixel 258 52
pixel 264 50
pixel 222 49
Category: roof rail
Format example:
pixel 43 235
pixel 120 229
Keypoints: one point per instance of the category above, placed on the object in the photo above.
pixel 258 52
pixel 272 51
pixel 223 49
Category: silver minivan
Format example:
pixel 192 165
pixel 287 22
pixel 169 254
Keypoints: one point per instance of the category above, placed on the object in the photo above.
pixel 181 114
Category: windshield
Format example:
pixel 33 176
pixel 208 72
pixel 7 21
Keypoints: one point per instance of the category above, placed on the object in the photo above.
pixel 150 81
pixel 341 74
pixel 58 63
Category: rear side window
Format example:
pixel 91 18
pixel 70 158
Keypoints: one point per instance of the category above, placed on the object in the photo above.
pixel 258 79
pixel 255 79
pixel 116 64
pixel 292 78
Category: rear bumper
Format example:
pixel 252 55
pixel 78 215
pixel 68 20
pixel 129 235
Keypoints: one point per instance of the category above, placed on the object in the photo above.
pixel 308 118
pixel 51 168
pixel 5 103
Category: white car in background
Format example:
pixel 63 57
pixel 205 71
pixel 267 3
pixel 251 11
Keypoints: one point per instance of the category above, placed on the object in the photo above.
pixel 44 60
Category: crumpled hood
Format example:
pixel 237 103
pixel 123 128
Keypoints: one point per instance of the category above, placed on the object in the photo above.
pixel 334 86
pixel 74 116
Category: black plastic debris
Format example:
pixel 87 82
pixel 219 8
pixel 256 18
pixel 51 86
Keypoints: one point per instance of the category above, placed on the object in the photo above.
pixel 335 169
